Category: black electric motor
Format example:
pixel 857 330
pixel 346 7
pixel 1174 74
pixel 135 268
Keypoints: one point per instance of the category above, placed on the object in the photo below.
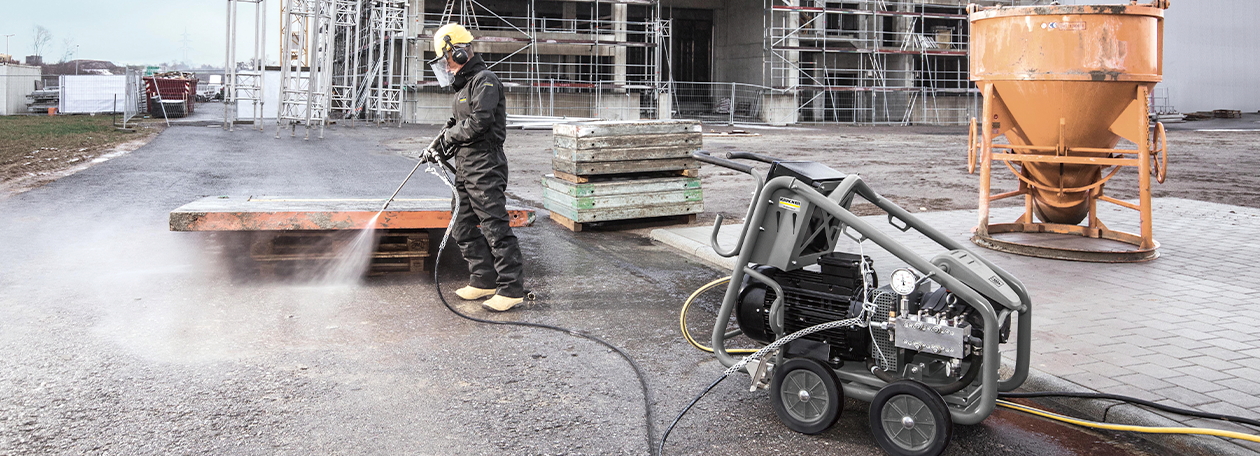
pixel 811 298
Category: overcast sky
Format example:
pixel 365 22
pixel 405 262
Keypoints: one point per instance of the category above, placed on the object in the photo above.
pixel 131 32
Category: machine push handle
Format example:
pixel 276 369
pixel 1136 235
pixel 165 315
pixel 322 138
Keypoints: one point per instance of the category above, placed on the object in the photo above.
pixel 752 156
pixel 705 157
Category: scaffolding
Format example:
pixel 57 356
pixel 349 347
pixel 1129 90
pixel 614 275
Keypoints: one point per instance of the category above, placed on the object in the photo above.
pixel 872 61
pixel 560 58
pixel 345 81
pixel 305 65
pixel 243 81
pixel 849 61
pixel 385 52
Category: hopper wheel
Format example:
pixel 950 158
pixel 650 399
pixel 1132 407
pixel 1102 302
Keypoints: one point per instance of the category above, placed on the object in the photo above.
pixel 806 395
pixel 1159 153
pixel 972 147
pixel 908 418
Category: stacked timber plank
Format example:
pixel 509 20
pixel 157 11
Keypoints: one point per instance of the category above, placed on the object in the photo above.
pixel 623 170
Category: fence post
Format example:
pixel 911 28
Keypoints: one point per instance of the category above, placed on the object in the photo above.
pixel 551 102
pixel 732 106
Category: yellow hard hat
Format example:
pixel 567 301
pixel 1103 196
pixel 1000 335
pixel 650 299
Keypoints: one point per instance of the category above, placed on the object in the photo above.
pixel 457 34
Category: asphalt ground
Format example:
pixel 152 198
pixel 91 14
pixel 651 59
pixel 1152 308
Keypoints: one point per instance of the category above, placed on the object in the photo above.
pixel 120 337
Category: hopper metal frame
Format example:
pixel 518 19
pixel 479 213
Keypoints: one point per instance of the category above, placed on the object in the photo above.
pixel 1132 125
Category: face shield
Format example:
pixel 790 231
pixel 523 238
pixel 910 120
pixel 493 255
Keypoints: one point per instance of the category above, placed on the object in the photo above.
pixel 442 71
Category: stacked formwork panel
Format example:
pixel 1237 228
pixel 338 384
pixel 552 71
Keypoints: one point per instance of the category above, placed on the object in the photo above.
pixel 871 61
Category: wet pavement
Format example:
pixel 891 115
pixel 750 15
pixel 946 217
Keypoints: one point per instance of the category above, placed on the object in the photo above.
pixel 120 337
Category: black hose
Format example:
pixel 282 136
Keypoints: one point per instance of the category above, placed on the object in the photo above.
pixel 647 401
pixel 1134 400
pixel 661 449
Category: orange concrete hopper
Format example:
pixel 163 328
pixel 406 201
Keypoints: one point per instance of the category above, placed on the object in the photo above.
pixel 1064 84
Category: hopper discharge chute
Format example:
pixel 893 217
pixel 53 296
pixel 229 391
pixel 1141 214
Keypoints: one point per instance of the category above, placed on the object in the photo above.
pixel 1063 85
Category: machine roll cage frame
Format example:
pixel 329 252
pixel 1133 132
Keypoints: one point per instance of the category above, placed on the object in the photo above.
pixel 860 383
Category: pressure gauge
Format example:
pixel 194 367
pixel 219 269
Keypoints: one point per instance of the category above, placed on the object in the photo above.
pixel 903 281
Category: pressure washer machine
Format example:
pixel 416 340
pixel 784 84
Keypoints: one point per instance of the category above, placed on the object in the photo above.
pixel 923 349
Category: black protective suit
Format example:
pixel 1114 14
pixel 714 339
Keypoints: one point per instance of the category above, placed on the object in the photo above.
pixel 481 168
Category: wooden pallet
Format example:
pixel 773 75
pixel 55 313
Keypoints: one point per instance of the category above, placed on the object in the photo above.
pixel 611 177
pixel 623 224
pixel 281 253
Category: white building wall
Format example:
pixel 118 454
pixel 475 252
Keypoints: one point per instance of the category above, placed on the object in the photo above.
pixel 1211 55
pixel 16 82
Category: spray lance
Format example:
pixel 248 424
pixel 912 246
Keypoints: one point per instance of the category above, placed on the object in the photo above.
pixel 434 153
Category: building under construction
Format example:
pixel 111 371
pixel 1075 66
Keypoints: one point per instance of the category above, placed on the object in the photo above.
pixel 758 61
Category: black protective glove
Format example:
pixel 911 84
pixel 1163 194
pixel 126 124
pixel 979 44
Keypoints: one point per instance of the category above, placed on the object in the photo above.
pixel 427 156
pixel 450 122
pixel 442 148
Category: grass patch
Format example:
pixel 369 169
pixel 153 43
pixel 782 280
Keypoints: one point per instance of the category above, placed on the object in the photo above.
pixel 35 150
pixel 20 135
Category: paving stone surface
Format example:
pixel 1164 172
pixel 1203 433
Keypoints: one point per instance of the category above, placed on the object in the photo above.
pixel 1181 329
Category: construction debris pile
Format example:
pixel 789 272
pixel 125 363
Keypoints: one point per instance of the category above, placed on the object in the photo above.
pixel 43 100
pixel 171 94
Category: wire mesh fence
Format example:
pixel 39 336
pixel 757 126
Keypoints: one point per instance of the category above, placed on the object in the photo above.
pixel 132 97
pixel 720 102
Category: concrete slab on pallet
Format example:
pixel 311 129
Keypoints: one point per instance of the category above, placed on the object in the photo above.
pixel 628 127
pixel 271 213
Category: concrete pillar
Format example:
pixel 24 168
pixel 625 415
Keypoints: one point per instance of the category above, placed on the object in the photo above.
pixel 569 13
pixel 664 106
pixel 619 52
pixel 415 60
pixel 792 78
pixel 779 108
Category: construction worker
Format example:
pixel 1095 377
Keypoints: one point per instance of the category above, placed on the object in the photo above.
pixel 473 142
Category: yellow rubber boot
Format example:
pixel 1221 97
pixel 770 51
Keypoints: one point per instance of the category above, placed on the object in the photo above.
pixel 500 303
pixel 471 293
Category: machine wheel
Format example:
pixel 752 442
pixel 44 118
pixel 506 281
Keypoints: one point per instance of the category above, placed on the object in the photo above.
pixel 806 395
pixel 908 418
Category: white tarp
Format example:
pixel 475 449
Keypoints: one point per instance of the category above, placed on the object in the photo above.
pixel 270 99
pixel 86 94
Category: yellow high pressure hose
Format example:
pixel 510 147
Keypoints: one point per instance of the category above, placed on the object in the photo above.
pixel 682 318
pixel 682 323
pixel 1130 428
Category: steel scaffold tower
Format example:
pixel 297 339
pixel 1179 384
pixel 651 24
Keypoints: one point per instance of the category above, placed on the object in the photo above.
pixel 244 82
pixel 346 80
pixel 306 65
pixel 388 27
